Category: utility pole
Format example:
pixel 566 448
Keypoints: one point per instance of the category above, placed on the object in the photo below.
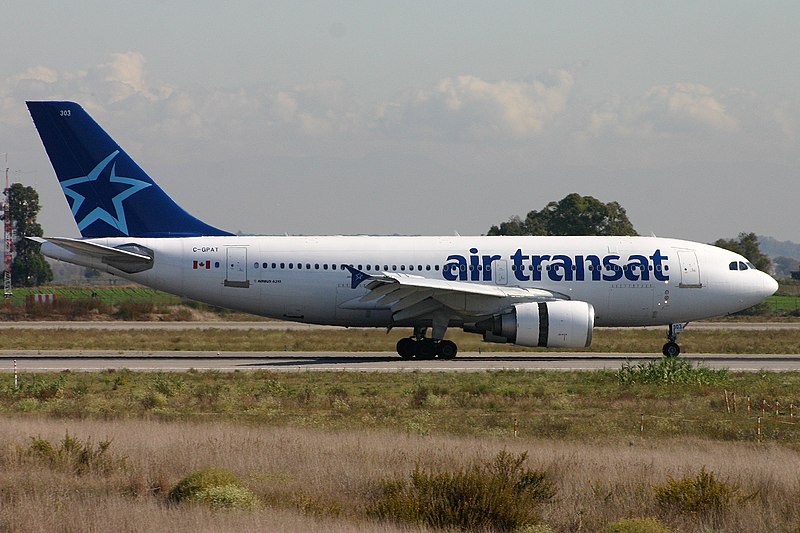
pixel 7 238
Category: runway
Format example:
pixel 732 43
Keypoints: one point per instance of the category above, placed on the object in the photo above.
pixel 295 326
pixel 57 361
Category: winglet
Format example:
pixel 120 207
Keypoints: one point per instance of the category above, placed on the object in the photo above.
pixel 356 276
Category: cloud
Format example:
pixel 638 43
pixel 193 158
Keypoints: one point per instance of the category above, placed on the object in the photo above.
pixel 692 103
pixel 124 76
pixel 677 109
pixel 473 107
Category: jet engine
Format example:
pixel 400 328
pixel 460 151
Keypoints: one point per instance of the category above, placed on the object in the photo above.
pixel 561 324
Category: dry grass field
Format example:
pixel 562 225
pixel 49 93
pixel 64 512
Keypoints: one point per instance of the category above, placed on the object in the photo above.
pixel 318 480
pixel 316 451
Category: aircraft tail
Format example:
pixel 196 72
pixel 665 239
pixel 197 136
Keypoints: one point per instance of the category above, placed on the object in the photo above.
pixel 109 194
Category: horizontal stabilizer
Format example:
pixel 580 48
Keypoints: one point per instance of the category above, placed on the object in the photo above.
pixel 129 258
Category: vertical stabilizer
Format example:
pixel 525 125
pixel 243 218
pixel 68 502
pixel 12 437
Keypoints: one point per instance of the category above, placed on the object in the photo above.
pixel 108 193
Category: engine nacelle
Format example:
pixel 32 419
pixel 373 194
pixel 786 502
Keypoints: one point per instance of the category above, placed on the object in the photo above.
pixel 561 324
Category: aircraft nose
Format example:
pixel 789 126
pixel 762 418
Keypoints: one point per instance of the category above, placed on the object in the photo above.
pixel 770 285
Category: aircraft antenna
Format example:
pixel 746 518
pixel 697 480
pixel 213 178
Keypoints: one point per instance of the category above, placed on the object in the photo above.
pixel 7 238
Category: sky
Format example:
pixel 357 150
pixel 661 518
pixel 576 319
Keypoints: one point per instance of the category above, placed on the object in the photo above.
pixel 426 117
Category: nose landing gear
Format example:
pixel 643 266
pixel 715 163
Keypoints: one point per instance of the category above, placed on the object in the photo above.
pixel 671 348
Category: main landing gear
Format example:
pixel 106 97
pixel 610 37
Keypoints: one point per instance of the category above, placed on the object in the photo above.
pixel 420 347
pixel 671 348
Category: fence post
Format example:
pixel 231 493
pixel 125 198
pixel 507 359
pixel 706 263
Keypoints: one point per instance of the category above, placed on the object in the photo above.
pixel 727 402
pixel 758 431
pixel 641 427
pixel 516 427
pixel 734 402
pixel 16 377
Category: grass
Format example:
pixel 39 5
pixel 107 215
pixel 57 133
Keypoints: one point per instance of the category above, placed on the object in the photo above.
pixel 327 480
pixel 594 406
pixel 369 340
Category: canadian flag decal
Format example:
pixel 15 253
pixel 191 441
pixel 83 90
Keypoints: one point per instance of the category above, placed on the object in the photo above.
pixel 201 264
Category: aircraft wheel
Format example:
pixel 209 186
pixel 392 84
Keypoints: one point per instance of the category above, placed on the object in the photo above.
pixel 426 349
pixel 406 348
pixel 671 349
pixel 447 350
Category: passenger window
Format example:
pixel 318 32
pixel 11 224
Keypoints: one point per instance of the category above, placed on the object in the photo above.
pixel 325 266
pixel 402 267
pixel 394 267
pixel 291 266
pixel 255 265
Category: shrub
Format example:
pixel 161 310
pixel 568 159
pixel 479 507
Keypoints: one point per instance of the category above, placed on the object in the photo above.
pixel 134 310
pixel 229 496
pixel 670 370
pixel 74 454
pixel 201 480
pixel 696 494
pixel 636 525
pixel 500 495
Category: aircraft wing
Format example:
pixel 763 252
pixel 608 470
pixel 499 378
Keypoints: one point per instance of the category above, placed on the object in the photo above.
pixel 409 296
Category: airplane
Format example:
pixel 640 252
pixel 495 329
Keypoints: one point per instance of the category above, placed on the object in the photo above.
pixel 534 291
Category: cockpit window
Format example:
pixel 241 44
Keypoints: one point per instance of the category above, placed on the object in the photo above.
pixel 751 265
pixel 734 265
pixel 742 266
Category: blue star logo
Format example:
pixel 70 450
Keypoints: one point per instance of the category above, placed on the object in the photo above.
pixel 100 186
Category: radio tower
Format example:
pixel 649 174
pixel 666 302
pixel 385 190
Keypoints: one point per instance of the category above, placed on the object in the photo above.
pixel 7 238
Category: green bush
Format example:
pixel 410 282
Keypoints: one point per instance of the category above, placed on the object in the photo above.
pixel 670 370
pixel 230 496
pixel 74 454
pixel 201 480
pixel 499 495
pixel 41 387
pixel 636 525
pixel 698 494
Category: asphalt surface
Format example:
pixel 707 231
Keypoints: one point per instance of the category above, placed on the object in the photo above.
pixel 280 325
pixel 53 361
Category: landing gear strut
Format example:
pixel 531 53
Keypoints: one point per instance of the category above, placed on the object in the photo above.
pixel 420 347
pixel 671 348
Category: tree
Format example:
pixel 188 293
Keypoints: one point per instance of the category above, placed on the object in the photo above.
pixel 747 245
pixel 573 215
pixel 29 267
pixel 783 266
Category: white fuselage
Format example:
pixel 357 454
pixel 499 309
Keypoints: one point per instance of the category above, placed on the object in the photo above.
pixel 630 281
